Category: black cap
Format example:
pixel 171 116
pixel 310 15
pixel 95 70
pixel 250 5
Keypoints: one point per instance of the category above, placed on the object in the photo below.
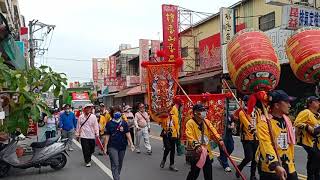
pixel 310 99
pixel 245 98
pixel 198 107
pixel 280 95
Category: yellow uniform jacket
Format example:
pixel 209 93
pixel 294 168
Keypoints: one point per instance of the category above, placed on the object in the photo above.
pixel 304 119
pixel 267 157
pixel 245 123
pixel 193 133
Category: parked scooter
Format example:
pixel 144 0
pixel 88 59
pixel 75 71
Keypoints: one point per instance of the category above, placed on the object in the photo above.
pixel 51 152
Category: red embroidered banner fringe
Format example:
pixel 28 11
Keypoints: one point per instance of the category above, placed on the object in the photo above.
pixel 216 109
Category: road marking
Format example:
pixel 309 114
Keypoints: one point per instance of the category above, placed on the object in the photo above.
pixel 97 161
pixel 237 159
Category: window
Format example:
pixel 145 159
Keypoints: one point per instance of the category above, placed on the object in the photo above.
pixel 184 51
pixel 267 21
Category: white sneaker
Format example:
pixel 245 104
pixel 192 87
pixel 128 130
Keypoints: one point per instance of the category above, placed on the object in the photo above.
pixel 227 169
pixel 138 151
pixel 70 149
pixel 88 165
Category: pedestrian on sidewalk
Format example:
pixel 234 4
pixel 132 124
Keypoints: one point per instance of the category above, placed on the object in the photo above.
pixel 87 131
pixel 307 126
pixel 142 124
pixel 67 125
pixel 52 120
pixel 199 133
pixel 229 143
pixel 249 139
pixel 169 134
pixel 127 112
pixel 117 137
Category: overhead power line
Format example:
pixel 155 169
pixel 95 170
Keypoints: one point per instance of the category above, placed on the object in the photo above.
pixel 69 59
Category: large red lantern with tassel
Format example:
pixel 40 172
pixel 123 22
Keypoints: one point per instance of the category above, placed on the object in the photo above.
pixel 252 62
pixel 303 50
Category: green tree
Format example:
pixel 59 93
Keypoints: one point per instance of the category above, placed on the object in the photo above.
pixel 28 85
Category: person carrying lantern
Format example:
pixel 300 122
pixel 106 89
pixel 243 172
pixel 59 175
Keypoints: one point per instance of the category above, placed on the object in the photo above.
pixel 276 139
pixel 249 139
pixel 199 133
pixel 170 134
pixel 308 129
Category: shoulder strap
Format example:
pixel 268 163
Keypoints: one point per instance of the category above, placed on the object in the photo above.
pixel 85 121
pixel 143 116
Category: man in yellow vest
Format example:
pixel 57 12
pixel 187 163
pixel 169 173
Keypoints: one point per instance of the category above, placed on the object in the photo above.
pixel 276 157
pixel 199 133
pixel 308 129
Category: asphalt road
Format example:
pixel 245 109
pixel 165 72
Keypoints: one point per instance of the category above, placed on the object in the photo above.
pixel 137 166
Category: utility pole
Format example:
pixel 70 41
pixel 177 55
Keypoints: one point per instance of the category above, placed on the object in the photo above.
pixel 35 26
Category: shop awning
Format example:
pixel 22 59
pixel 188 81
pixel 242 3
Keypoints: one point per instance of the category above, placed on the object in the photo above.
pixel 136 90
pixel 107 95
pixel 198 77
pixel 122 93
pixel 14 53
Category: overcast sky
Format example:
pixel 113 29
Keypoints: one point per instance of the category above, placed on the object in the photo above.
pixel 95 28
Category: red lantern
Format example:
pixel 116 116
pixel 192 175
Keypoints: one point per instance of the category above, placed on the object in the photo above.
pixel 303 50
pixel 252 62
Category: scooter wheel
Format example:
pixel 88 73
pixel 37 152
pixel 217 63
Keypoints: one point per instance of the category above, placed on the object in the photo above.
pixel 4 169
pixel 62 161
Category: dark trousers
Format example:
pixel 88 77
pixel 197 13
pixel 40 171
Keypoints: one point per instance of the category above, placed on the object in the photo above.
pixel 313 164
pixel 271 176
pixel 132 134
pixel 116 160
pixel 50 134
pixel 229 143
pixel 195 171
pixel 169 147
pixel 249 148
pixel 88 146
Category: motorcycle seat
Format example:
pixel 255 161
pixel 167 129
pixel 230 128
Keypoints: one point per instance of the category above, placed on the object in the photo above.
pixel 43 144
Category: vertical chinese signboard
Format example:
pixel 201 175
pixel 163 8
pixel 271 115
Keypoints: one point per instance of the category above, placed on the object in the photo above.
pixel 112 66
pixel 295 17
pixel 95 70
pixel 227 24
pixel 143 56
pixel 25 39
pixel 155 46
pixel 170 32
pixel 227 29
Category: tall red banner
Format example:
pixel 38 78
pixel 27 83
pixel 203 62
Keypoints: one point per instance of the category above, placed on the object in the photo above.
pixel 161 86
pixel 170 32
pixel 95 70
pixel 143 56
pixel 216 109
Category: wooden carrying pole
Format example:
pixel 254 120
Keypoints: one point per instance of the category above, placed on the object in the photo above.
pixel 265 112
pixel 216 138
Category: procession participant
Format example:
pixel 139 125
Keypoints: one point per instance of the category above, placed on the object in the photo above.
pixel 127 113
pixel 170 134
pixel 68 124
pixel 198 136
pixel 249 140
pixel 104 117
pixel 117 137
pixel 229 143
pixel 142 124
pixel 308 129
pixel 52 120
pixel 87 131
pixel 275 164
